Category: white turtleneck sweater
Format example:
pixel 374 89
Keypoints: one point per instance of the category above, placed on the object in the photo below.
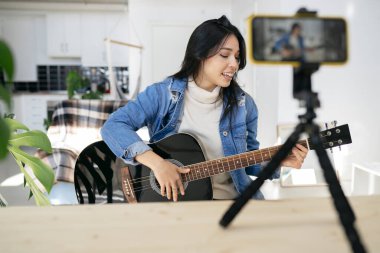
pixel 201 115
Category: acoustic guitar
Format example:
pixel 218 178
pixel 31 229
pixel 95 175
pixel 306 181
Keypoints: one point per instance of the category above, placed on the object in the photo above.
pixel 140 185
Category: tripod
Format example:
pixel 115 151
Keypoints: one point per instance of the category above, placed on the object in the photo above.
pixel 302 91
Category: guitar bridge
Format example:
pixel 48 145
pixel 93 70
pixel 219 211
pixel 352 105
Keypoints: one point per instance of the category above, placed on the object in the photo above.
pixel 127 186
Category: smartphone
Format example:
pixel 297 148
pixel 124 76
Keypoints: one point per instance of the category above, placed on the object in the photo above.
pixel 295 39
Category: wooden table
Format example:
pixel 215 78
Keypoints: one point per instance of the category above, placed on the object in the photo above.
pixel 298 225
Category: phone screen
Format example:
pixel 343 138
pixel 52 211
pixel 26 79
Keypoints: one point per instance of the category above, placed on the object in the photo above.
pixel 282 40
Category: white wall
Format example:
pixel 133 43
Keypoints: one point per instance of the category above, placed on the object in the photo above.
pixel 148 15
pixel 348 94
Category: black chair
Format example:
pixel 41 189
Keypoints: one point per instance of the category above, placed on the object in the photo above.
pixel 96 175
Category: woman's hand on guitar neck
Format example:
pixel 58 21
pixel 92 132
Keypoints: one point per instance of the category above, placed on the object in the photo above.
pixel 166 173
pixel 296 158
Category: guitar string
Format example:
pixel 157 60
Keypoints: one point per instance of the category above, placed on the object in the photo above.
pixel 147 187
pixel 209 167
pixel 258 156
pixel 147 178
pixel 144 188
pixel 143 179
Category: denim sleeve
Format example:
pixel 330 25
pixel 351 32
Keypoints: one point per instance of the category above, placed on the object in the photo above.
pixel 119 131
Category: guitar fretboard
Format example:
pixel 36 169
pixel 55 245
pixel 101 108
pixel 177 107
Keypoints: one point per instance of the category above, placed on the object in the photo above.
pixel 230 163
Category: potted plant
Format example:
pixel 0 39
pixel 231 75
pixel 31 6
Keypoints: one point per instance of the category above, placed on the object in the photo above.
pixel 76 84
pixel 14 135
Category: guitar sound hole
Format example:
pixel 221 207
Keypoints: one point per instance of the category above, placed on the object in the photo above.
pixel 154 183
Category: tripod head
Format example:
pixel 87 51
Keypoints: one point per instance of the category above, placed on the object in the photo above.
pixel 302 89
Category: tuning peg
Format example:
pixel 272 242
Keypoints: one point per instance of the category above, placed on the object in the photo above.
pixel 340 142
pixel 331 144
pixel 334 123
pixel 326 125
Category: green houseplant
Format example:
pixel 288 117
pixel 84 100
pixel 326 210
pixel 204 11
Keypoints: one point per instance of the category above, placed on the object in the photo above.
pixel 76 84
pixel 14 135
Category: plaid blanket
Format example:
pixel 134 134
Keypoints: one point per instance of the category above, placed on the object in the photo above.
pixel 75 125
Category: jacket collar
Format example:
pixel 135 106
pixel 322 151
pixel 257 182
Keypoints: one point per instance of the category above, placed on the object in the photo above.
pixel 179 85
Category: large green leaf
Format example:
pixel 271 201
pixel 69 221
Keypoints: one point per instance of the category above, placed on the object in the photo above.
pixel 15 125
pixel 34 138
pixel 42 171
pixel 39 196
pixel 4 137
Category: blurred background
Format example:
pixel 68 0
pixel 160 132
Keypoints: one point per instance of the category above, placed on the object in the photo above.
pixel 122 46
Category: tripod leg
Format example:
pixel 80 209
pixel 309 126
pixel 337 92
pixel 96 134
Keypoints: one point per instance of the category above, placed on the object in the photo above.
pixel 265 173
pixel 345 212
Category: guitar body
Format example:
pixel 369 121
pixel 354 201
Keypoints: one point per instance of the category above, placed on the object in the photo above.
pixel 181 149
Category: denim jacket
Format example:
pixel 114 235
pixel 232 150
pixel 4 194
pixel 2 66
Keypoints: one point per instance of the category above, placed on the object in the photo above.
pixel 160 108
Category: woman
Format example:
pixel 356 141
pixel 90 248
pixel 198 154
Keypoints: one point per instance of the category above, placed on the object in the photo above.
pixel 291 45
pixel 203 99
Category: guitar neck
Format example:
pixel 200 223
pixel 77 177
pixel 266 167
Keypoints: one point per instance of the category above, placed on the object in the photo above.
pixel 230 163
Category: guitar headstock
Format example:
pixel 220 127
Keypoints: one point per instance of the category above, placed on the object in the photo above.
pixel 336 136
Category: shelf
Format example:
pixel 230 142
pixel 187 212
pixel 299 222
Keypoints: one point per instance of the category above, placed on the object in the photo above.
pixel 365 178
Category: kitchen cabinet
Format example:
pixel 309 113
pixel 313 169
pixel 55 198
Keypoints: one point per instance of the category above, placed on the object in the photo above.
pixel 93 45
pixel 32 109
pixel 63 35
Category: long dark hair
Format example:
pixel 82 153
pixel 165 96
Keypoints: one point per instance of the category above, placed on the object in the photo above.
pixel 295 26
pixel 205 42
